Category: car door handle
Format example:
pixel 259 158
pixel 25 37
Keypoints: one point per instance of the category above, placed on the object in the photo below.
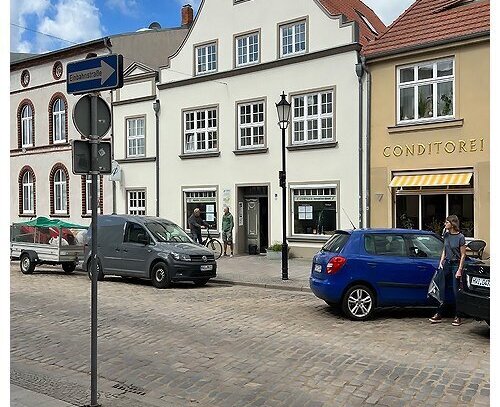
pixel 422 267
pixel 117 249
pixel 371 265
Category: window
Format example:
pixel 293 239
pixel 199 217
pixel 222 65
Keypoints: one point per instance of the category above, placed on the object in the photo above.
pixel 206 58
pixel 133 232
pixel 314 210
pixel 59 121
pixel 136 202
pixel 247 49
pixel 87 194
pixel 426 246
pixel 385 245
pixel 313 118
pixel 135 137
pixel 27 192
pixel 27 126
pixel 293 39
pixel 200 130
pixel 206 201
pixel 426 91
pixel 60 192
pixel 251 121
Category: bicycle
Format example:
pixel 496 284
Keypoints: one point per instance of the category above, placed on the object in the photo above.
pixel 213 244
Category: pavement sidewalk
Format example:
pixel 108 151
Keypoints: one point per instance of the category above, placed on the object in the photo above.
pixel 21 397
pixel 259 271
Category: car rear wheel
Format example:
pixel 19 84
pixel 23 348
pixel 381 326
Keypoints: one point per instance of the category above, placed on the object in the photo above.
pixel 160 276
pixel 358 303
pixel 100 274
pixel 69 267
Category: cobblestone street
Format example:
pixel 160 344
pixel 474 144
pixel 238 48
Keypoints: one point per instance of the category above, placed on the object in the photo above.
pixel 234 346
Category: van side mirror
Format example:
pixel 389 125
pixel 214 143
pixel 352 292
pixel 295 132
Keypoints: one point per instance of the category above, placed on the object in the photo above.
pixel 143 239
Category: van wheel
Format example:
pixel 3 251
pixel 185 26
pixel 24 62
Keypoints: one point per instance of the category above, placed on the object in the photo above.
pixel 27 264
pixel 358 303
pixel 100 273
pixel 160 276
pixel 69 267
pixel 201 283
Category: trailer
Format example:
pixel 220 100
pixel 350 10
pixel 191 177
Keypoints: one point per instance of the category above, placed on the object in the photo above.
pixel 47 241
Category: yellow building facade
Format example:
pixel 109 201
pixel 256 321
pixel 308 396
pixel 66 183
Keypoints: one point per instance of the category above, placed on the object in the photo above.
pixel 430 138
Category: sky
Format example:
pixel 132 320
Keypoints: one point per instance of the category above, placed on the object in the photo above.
pixel 68 22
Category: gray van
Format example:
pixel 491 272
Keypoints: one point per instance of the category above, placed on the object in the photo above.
pixel 151 248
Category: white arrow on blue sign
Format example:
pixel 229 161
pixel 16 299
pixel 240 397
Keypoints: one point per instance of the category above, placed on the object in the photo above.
pixel 95 74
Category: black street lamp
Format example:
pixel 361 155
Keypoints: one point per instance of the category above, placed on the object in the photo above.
pixel 283 108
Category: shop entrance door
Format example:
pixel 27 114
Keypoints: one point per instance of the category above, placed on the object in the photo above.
pixel 253 219
pixel 253 223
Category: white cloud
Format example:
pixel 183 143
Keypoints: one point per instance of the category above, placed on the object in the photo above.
pixel 19 11
pixel 388 10
pixel 127 7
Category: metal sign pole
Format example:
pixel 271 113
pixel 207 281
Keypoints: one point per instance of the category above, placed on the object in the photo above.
pixel 94 139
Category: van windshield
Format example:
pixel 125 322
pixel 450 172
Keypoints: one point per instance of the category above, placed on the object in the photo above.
pixel 168 232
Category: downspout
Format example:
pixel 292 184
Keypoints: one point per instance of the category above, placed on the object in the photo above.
pixel 156 108
pixel 368 137
pixel 359 74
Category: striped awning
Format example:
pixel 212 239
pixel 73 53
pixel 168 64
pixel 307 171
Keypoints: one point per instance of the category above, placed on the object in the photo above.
pixel 431 180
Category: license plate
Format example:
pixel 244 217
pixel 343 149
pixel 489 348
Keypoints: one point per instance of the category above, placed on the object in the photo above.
pixel 481 282
pixel 317 268
pixel 207 267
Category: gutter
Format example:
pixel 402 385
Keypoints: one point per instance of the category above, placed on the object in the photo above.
pixel 156 108
pixel 359 74
pixel 368 138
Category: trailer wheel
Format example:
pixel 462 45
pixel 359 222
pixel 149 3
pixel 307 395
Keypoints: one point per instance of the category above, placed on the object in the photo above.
pixel 69 267
pixel 27 264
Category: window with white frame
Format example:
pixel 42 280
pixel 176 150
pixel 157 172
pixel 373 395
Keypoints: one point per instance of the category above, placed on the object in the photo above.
pixel 426 91
pixel 251 122
pixel 314 210
pixel 28 188
pixel 27 126
pixel 59 121
pixel 60 192
pixel 206 58
pixel 293 38
pixel 135 137
pixel 206 202
pixel 313 118
pixel 247 49
pixel 136 202
pixel 200 130
pixel 88 194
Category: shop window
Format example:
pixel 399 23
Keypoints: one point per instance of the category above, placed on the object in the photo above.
pixel 314 210
pixel 206 202
pixel 426 91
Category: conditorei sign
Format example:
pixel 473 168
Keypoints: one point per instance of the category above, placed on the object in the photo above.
pixel 437 147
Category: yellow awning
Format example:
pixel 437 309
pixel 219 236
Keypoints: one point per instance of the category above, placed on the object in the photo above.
pixel 431 180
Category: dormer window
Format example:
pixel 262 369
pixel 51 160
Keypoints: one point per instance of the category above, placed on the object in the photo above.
pixel 206 58
pixel 293 38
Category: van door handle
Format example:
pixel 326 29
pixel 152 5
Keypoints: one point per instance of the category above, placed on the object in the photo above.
pixel 149 250
pixel 125 250
pixel 117 249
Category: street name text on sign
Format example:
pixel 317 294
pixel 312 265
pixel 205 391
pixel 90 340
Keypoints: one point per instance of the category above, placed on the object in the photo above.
pixel 95 74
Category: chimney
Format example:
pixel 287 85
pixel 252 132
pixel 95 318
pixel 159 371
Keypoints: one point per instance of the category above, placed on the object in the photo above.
pixel 187 15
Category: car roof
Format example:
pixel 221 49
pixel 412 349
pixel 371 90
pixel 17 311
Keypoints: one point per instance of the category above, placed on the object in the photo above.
pixel 386 230
pixel 134 218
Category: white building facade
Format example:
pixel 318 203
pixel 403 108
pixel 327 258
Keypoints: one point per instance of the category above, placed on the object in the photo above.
pixel 219 142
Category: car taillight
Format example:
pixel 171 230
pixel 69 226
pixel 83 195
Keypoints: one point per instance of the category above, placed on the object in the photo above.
pixel 335 264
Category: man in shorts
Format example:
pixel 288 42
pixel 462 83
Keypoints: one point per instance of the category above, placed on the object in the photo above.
pixel 227 230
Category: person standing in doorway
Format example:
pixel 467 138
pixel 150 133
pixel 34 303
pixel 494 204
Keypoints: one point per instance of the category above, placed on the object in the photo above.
pixel 452 262
pixel 195 223
pixel 227 230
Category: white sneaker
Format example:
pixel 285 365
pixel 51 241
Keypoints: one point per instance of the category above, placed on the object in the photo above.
pixel 230 255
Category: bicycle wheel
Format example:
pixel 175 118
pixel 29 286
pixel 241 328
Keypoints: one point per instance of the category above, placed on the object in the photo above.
pixel 216 247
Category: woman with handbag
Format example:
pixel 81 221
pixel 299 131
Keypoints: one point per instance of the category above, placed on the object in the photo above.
pixel 451 263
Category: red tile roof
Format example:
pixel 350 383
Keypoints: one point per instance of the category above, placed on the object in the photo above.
pixel 355 10
pixel 429 21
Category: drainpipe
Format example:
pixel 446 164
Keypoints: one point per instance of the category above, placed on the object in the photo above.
pixel 368 137
pixel 359 74
pixel 156 108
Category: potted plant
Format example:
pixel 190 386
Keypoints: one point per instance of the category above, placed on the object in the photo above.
pixel 273 252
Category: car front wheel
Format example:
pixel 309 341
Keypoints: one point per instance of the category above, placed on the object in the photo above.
pixel 358 303
pixel 160 276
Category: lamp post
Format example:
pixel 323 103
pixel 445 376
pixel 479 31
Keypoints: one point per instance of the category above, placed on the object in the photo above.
pixel 283 108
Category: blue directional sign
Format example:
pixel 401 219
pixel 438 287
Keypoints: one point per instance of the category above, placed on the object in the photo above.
pixel 95 74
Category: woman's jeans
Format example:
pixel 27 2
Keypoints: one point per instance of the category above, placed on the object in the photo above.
pixel 450 269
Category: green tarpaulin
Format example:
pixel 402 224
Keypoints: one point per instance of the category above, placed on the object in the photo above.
pixel 43 222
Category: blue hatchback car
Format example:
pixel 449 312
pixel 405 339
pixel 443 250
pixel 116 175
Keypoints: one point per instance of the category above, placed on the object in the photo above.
pixel 364 269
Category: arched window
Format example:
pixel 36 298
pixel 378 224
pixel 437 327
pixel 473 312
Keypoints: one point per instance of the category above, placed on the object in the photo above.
pixel 59 121
pixel 27 204
pixel 26 126
pixel 60 192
